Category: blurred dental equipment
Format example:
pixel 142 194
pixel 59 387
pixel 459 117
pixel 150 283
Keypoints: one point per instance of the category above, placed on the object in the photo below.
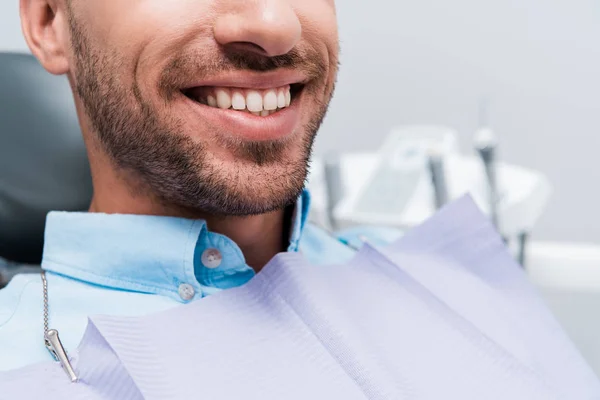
pixel 394 186
pixel 521 256
pixel 486 145
pixel 397 172
pixel 334 186
pixel 438 177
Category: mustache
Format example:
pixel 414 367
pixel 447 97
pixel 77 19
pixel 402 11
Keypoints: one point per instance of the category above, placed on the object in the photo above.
pixel 246 60
pixel 197 66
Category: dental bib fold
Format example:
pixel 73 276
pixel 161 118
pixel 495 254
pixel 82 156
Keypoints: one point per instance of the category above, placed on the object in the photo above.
pixel 442 313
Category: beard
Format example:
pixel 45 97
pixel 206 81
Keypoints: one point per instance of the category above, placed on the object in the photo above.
pixel 150 146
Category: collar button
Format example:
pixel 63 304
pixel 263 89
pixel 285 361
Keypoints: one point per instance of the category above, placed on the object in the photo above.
pixel 186 292
pixel 211 258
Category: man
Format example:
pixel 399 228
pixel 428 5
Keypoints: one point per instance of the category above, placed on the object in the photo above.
pixel 199 119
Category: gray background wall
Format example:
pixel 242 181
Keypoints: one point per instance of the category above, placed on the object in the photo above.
pixel 10 28
pixel 430 61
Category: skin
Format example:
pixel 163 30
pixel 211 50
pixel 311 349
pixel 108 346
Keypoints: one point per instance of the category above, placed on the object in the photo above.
pixel 153 153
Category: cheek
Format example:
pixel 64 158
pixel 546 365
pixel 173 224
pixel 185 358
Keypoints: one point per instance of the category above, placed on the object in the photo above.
pixel 320 28
pixel 145 30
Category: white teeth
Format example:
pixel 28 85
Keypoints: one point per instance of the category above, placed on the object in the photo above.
pixel 281 98
pixel 238 101
pixel 255 113
pixel 270 100
pixel 254 101
pixel 211 101
pixel 223 99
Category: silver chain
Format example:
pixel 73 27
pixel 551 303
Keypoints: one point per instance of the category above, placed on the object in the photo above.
pixel 51 338
pixel 46 316
pixel 45 286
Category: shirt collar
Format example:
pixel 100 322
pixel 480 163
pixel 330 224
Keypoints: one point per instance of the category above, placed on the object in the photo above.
pixel 176 257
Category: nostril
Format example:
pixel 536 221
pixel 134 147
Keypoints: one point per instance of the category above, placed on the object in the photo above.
pixel 272 29
pixel 246 47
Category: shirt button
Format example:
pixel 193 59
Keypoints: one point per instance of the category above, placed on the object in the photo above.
pixel 186 292
pixel 211 258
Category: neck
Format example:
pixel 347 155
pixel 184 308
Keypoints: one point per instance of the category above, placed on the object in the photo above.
pixel 260 237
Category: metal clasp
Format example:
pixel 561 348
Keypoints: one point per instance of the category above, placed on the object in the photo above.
pixel 55 347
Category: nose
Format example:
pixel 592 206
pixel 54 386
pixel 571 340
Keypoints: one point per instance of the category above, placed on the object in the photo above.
pixel 268 27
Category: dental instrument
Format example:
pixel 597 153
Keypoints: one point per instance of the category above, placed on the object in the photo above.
pixel 438 177
pixel 334 186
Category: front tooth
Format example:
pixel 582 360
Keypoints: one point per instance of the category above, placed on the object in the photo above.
pixel 288 98
pixel 265 113
pixel 223 99
pixel 270 100
pixel 281 99
pixel 238 101
pixel 257 113
pixel 254 101
pixel 212 101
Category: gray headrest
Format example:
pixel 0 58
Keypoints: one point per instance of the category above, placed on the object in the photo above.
pixel 43 163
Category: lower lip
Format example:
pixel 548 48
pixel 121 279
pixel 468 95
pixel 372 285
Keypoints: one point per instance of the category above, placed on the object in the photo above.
pixel 251 127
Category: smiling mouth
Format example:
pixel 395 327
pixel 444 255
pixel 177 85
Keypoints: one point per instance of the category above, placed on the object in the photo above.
pixel 261 103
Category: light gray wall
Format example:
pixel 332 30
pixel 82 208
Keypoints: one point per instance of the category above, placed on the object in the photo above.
pixel 430 61
pixel 10 28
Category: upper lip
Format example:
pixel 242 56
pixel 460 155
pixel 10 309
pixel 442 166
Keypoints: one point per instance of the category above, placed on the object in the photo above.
pixel 252 80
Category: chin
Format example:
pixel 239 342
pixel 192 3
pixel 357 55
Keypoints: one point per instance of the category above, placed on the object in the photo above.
pixel 261 187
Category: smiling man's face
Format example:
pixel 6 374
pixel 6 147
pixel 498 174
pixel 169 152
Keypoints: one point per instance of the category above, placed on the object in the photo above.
pixel 208 105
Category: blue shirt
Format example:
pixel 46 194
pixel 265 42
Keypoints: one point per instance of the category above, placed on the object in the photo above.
pixel 135 265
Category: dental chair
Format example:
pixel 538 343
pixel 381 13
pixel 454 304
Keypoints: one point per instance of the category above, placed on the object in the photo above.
pixel 43 163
